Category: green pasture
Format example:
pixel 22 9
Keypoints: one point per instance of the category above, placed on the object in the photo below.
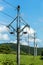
pixel 25 59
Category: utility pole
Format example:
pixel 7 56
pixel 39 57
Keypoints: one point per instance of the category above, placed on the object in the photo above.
pixel 25 32
pixel 28 44
pixel 36 49
pixel 18 36
pixel 18 31
pixel 34 44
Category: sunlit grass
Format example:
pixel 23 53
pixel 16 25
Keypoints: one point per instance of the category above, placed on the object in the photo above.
pixel 25 59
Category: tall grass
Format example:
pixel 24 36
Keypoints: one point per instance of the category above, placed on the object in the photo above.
pixel 25 59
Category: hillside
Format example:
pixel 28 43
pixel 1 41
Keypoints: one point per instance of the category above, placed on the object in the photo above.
pixel 12 48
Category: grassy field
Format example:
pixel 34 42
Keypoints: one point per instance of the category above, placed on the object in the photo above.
pixel 25 59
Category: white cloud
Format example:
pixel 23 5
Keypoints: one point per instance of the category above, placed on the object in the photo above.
pixel 30 41
pixel 13 41
pixel 1 8
pixel 24 43
pixel 4 37
pixel 30 31
pixel 3 29
pixel 36 40
pixel 21 42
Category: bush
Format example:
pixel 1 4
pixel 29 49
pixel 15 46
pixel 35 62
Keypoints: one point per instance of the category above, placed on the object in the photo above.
pixel 32 64
pixel 42 55
pixel 8 62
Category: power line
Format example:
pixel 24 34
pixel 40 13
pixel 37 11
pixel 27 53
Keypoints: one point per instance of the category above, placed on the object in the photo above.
pixel 7 14
pixel 3 24
pixel 8 3
pixel 12 21
pixel 23 21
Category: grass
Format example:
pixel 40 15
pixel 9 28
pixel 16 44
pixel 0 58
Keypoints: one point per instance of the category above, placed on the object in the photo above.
pixel 25 59
pixel 30 60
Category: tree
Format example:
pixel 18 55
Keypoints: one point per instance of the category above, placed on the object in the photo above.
pixel 42 55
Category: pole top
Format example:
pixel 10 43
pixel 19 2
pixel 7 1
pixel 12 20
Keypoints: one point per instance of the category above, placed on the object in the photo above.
pixel 18 7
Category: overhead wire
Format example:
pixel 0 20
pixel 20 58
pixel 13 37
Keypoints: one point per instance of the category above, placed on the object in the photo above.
pixel 13 7
pixel 24 22
pixel 8 3
pixel 6 14
pixel 3 24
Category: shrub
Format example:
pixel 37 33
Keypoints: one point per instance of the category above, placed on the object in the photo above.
pixel 42 55
pixel 8 62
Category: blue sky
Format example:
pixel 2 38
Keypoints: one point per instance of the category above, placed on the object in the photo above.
pixel 31 12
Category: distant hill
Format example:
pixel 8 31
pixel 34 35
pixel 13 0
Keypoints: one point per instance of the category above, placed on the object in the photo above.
pixel 12 49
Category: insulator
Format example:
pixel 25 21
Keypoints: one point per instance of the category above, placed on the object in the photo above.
pixel 11 32
pixel 25 32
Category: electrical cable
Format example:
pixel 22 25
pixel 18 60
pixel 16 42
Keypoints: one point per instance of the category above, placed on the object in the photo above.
pixel 13 28
pixel 8 3
pixel 6 14
pixel 3 24
pixel 23 20
pixel 12 21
